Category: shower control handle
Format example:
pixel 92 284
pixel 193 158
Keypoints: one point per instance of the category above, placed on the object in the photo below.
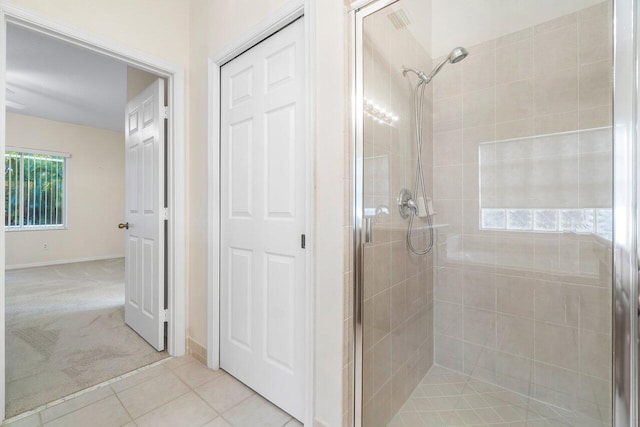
pixel 406 204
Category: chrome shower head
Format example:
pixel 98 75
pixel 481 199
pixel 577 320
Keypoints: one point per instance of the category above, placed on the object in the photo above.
pixel 458 54
pixel 455 56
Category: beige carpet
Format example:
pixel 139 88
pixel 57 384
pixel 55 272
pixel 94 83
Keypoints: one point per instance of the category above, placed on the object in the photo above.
pixel 66 332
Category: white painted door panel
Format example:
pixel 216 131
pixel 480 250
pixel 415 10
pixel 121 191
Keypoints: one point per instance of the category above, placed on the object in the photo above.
pixel 144 252
pixel 262 277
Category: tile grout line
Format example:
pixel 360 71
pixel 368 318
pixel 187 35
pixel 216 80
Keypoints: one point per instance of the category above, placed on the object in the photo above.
pixel 124 407
pixel 42 408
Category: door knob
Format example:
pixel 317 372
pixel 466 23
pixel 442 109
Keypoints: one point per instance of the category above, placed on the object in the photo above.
pixel 125 225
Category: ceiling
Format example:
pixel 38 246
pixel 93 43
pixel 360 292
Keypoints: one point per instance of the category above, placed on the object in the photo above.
pixel 56 80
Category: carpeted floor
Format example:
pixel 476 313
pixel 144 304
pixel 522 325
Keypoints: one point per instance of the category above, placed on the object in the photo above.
pixel 66 332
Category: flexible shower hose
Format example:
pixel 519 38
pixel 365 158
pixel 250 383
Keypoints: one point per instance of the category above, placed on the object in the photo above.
pixel 418 106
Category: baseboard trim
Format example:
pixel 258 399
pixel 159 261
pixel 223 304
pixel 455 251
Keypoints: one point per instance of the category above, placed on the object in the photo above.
pixel 61 261
pixel 197 351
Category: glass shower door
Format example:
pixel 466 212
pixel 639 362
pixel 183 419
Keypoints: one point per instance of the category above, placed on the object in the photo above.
pixel 484 190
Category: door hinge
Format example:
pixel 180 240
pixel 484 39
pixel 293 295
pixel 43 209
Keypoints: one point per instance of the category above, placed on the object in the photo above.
pixel 165 214
pixel 303 241
pixel 165 315
pixel 166 112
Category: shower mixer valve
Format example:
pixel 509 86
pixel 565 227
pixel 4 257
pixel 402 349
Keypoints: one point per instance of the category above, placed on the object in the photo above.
pixel 420 208
pixel 406 204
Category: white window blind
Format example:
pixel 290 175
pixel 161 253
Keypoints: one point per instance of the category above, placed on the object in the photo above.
pixel 34 190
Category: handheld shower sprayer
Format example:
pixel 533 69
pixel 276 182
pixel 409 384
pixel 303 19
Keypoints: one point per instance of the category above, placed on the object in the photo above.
pixel 407 204
pixel 455 56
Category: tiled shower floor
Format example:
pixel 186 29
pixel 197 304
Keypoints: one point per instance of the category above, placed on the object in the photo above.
pixel 447 398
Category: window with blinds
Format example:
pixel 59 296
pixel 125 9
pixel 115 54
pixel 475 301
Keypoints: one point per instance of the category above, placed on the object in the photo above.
pixel 34 186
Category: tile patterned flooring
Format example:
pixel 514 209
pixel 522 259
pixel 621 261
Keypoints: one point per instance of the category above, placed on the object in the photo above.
pixel 448 398
pixel 178 392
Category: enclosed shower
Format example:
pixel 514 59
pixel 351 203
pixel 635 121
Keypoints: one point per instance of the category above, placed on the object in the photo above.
pixel 483 213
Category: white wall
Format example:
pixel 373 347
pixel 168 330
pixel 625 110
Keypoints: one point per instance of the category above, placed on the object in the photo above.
pixel 95 192
pixel 184 33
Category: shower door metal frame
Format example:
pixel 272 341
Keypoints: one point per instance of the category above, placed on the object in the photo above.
pixel 626 252
pixel 360 10
pixel 625 208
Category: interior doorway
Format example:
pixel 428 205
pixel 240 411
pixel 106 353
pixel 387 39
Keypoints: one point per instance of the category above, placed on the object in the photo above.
pixel 68 177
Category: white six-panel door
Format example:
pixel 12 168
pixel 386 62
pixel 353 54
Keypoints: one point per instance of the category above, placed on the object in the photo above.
pixel 262 265
pixel 144 252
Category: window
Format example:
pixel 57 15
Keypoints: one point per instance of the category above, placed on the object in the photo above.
pixel 35 193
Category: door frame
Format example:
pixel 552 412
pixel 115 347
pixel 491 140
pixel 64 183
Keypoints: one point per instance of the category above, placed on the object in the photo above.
pixel 290 12
pixel 175 239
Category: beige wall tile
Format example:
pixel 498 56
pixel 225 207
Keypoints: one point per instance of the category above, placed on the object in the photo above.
pixel 472 138
pixel 558 122
pixel 448 319
pixel 515 295
pixel 480 362
pixel 514 372
pixel 381 362
pixel 515 129
pixel 514 61
pixel 381 323
pixel 556 49
pixel 515 252
pixel 449 212
pixel 596 141
pixel 480 252
pixel 557 303
pixel 480 327
pixel 556 92
pixel 470 181
pixel 515 335
pixel 595 34
pixel 448 352
pixel 447 182
pixel 479 107
pixel 596 117
pixel 448 286
pixel 595 354
pixel 596 171
pixel 479 69
pixel 555 384
pixel 514 101
pixel 447 148
pixel 448 84
pixel 595 85
pixel 550 338
pixel 399 305
pixel 594 398
pixel 479 290
pixel 381 268
pixel 398 262
pixel 447 113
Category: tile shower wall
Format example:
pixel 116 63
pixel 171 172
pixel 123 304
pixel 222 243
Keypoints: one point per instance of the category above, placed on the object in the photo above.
pixel 528 310
pixel 398 289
